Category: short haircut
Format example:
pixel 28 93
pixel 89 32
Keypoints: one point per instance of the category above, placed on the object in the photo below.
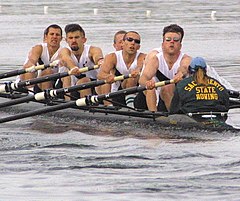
pixel 54 26
pixel 124 37
pixel 73 28
pixel 173 28
pixel 117 33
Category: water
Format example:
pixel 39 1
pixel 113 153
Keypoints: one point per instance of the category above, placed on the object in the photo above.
pixel 84 164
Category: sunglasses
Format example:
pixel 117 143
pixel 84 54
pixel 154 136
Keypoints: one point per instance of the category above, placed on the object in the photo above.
pixel 175 39
pixel 129 39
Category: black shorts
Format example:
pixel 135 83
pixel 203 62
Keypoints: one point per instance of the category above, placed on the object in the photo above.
pixel 80 76
pixel 37 89
pixel 141 103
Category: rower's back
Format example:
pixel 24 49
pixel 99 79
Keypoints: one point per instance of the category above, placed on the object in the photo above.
pixel 199 92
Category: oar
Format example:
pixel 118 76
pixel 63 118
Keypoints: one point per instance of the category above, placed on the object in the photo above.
pixel 11 86
pixel 28 70
pixel 98 98
pixel 47 94
pixel 82 102
pixel 234 94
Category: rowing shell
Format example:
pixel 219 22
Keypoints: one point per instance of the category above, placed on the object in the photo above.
pixel 111 116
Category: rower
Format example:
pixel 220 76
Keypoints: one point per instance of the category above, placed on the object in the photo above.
pixel 125 61
pixel 167 62
pixel 43 53
pixel 118 45
pixel 118 40
pixel 78 55
pixel 199 92
pixel 163 63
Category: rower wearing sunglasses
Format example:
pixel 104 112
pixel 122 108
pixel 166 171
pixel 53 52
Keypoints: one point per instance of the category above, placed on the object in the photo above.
pixel 127 61
pixel 167 62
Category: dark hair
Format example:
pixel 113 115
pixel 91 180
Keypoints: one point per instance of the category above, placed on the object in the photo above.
pixel 54 26
pixel 117 33
pixel 173 28
pixel 73 28
pixel 124 37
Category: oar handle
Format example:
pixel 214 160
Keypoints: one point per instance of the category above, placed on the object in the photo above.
pixel 8 87
pixel 61 91
pixel 234 94
pixel 122 77
pixel 92 99
pixel 162 83
pixel 27 70
pixel 41 67
pixel 85 69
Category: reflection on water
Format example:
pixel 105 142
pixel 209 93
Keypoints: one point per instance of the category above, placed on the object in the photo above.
pixel 73 164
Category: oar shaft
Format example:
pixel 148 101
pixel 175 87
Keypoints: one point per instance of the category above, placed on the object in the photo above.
pixel 38 112
pixel 131 90
pixel 53 93
pixel 42 79
pixel 62 91
pixel 26 70
pixel 11 86
pixel 81 102
pixel 96 99
pixel 12 73
pixel 77 87
pixel 17 101
pixel 234 94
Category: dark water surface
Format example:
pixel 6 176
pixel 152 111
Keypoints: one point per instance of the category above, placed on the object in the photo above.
pixel 56 162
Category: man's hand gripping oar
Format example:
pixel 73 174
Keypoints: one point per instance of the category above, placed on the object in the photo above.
pixel 82 101
pixel 96 99
pixel 47 94
pixel 12 86
pixel 28 70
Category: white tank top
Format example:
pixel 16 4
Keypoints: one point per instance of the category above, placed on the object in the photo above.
pixel 45 58
pixel 85 61
pixel 210 70
pixel 164 68
pixel 122 68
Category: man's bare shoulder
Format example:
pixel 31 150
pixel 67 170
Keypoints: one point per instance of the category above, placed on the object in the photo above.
pixel 37 48
pixel 64 50
pixel 142 57
pixel 185 56
pixel 142 54
pixel 94 48
pixel 110 55
pixel 186 59
pixel 152 55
